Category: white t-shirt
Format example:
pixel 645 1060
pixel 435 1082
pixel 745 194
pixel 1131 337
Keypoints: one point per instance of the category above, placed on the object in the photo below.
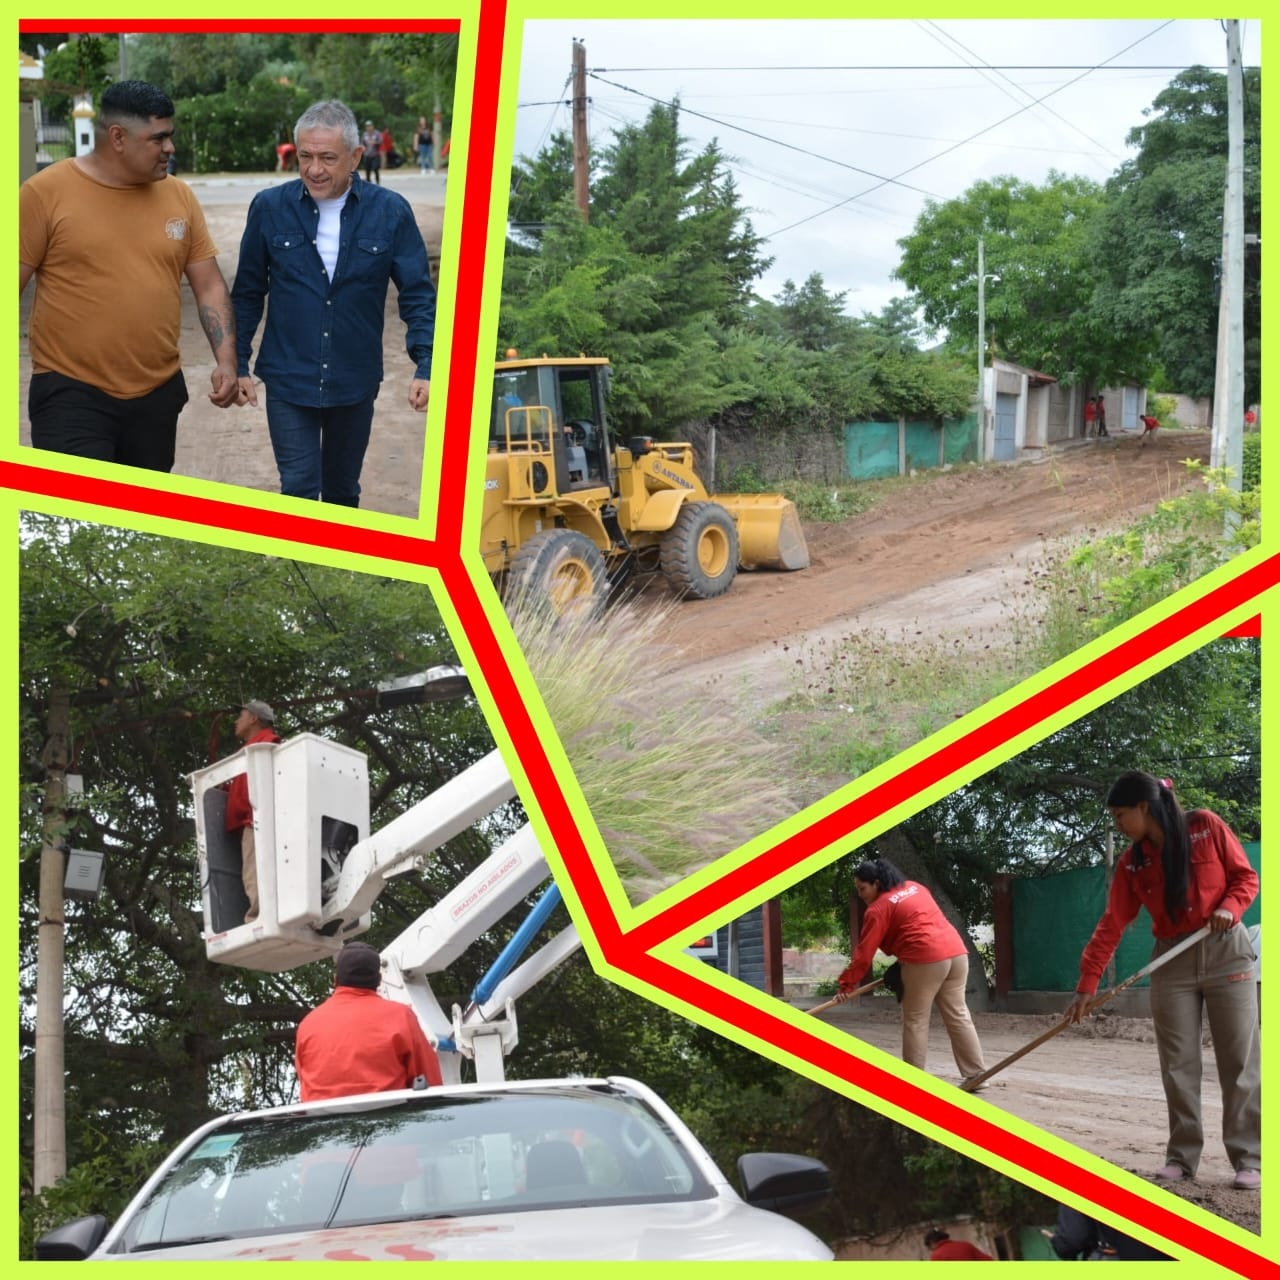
pixel 327 231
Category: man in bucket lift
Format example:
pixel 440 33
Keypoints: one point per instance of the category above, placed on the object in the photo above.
pixel 359 1042
pixel 255 723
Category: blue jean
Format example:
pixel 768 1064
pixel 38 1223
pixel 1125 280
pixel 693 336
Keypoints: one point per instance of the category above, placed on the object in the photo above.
pixel 319 452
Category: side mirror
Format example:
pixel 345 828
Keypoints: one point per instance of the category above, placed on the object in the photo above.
pixel 74 1241
pixel 781 1182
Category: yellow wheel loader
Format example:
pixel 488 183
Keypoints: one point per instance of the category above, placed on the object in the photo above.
pixel 570 512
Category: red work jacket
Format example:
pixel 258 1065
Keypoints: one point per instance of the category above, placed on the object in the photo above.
pixel 357 1042
pixel 1220 877
pixel 906 923
pixel 239 810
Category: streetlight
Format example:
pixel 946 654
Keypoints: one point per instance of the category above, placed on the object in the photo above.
pixel 982 347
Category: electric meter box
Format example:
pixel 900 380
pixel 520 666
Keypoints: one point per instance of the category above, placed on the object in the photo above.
pixel 310 801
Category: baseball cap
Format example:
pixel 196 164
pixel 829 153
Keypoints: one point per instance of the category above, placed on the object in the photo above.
pixel 259 709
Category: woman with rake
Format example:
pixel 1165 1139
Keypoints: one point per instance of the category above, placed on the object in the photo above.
pixel 1190 872
pixel 904 921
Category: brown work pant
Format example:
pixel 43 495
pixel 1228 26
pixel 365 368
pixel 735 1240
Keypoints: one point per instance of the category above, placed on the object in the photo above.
pixel 941 983
pixel 1214 978
pixel 249 872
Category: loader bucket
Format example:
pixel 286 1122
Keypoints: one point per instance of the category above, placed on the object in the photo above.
pixel 769 532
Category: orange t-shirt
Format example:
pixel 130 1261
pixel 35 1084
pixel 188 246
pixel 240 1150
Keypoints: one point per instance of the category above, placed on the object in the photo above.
pixel 109 263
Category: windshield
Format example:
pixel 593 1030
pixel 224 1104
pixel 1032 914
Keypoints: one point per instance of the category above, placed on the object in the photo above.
pixel 429 1157
pixel 518 409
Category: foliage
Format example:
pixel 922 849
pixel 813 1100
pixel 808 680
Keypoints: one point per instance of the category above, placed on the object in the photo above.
pixel 1037 240
pixel 1161 407
pixel 238 94
pixel 153 640
pixel 665 786
pixel 659 280
pixel 237 130
pixel 1109 580
pixel 1251 461
pixel 541 185
pixel 1155 246
pixel 87 64
pixel 1198 721
pixel 103 1183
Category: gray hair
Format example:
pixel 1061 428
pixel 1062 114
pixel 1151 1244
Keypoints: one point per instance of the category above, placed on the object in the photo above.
pixel 329 115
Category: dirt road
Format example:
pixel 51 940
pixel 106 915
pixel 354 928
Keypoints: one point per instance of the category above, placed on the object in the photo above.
pixel 949 553
pixel 1096 1085
pixel 232 445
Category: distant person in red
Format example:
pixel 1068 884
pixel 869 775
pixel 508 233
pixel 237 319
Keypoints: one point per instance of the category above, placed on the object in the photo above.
pixel 1090 415
pixel 358 1042
pixel 1149 426
pixel 255 723
pixel 286 157
pixel 1101 415
pixel 904 921
pixel 942 1248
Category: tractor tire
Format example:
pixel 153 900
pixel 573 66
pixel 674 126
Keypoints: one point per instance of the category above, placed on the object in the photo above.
pixel 699 553
pixel 562 569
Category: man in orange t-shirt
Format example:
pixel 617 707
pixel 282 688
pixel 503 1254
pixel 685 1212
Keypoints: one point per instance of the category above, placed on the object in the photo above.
pixel 109 236
pixel 358 1042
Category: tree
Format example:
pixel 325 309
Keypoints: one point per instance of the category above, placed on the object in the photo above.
pixel 1198 722
pixel 152 639
pixel 84 64
pixel 1158 242
pixel 653 280
pixel 1037 239
pixel 541 185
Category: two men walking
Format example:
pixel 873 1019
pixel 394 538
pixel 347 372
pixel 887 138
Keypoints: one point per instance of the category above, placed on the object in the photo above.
pixel 109 237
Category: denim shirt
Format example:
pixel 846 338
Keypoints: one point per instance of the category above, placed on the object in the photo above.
pixel 322 345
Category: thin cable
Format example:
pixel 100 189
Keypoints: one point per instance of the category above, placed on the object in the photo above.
pixel 764 137
pixel 1061 118
pixel 947 151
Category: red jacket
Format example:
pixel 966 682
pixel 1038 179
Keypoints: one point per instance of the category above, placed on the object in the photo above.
pixel 959 1251
pixel 239 810
pixel 357 1042
pixel 906 923
pixel 1220 877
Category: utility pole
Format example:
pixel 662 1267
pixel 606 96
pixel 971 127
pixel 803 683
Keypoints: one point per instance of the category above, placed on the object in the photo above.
pixel 982 351
pixel 1228 384
pixel 581 194
pixel 50 1162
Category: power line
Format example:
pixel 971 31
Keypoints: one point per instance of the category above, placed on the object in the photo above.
pixel 948 66
pixel 980 132
pixel 933 29
pixel 763 137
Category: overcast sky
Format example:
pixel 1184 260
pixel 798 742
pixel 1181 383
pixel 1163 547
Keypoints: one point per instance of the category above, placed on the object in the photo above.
pixel 869 101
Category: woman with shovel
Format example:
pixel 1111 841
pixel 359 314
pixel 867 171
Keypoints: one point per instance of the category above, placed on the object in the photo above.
pixel 904 921
pixel 1190 873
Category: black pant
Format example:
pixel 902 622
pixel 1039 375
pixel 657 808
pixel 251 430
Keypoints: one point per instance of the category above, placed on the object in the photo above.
pixel 69 416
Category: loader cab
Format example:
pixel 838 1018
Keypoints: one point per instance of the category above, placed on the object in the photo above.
pixel 557 408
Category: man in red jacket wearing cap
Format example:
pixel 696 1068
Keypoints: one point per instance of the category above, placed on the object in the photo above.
pixel 357 1042
pixel 255 723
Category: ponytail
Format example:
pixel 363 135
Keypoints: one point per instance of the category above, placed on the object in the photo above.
pixel 1130 789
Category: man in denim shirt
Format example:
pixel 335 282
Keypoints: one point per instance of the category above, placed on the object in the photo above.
pixel 324 247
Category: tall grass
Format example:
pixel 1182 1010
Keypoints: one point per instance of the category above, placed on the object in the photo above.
pixel 675 775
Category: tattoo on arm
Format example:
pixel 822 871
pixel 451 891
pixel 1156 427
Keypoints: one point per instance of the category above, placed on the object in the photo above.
pixel 218 323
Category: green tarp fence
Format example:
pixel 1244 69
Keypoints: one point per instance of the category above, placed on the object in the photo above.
pixel 1054 916
pixel 872 448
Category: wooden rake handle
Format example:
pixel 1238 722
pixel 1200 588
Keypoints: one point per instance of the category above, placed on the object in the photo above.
pixel 973 1082
pixel 846 995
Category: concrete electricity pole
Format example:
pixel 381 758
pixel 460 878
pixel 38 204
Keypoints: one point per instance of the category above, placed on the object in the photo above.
pixel 50 1146
pixel 581 193
pixel 1228 384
